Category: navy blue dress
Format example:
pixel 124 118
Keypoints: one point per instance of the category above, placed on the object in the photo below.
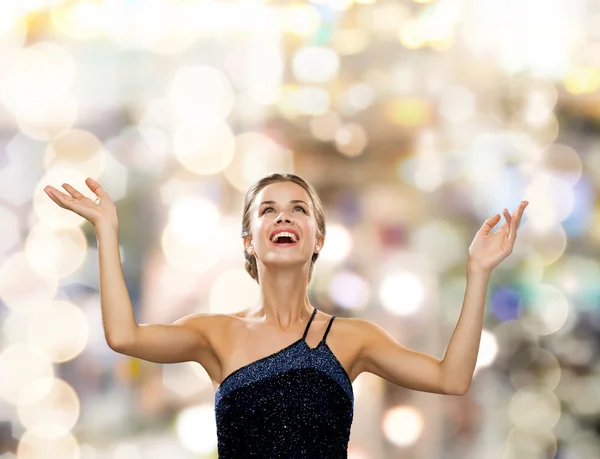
pixel 295 403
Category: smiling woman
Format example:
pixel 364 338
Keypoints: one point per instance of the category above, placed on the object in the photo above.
pixel 309 205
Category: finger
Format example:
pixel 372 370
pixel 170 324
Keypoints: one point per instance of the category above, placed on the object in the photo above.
pixel 50 194
pixel 489 224
pixel 518 214
pixel 72 191
pixel 95 187
pixel 59 198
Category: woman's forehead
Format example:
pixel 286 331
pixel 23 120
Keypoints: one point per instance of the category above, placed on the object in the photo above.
pixel 282 192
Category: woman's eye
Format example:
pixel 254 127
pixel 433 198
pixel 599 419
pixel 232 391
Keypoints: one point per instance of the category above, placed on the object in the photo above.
pixel 301 208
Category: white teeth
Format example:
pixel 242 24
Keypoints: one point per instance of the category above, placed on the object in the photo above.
pixel 285 233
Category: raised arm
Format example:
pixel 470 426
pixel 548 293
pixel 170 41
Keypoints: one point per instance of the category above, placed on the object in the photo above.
pixel 183 340
pixel 382 355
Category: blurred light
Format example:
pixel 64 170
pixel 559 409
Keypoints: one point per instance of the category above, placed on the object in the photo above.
pixel 411 35
pixel 59 330
pixel 506 304
pixel 339 5
pixel 358 97
pixel 561 161
pixel 226 300
pixel 32 446
pixel 183 380
pixel 552 200
pixel 324 126
pixel 545 246
pixel 582 80
pixel 408 112
pixel 77 149
pixel 301 19
pixel 547 310
pixel 127 450
pixel 488 349
pixel 439 242
pixel 196 428
pixel 457 104
pixel 351 139
pixel 349 291
pixel 523 444
pixel 81 20
pixel 204 147
pixel 348 41
pixel 13 32
pixel 537 371
pixel 191 255
pixel 401 293
pixel 9 231
pixel 315 64
pixel 21 367
pixel 194 219
pixel 534 411
pixel 48 119
pixel 312 100
pixel 402 425
pixel 23 288
pixel 198 91
pixel 337 246
pixel 55 414
pixel 60 250
pixel 256 156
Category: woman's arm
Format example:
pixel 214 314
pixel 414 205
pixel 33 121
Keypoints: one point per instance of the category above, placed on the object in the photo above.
pixel 160 343
pixel 183 340
pixel 382 355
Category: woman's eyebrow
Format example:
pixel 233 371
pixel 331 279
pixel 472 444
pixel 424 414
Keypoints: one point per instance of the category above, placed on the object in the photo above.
pixel 293 201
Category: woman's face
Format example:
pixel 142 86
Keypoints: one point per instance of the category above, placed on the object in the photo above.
pixel 283 205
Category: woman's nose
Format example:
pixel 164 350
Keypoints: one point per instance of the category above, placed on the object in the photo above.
pixel 283 216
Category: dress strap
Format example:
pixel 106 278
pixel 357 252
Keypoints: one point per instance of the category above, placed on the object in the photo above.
pixel 309 322
pixel 328 327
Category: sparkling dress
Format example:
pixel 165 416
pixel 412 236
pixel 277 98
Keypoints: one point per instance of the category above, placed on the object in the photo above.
pixel 295 403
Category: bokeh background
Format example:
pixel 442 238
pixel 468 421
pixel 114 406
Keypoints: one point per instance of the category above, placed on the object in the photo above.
pixel 415 121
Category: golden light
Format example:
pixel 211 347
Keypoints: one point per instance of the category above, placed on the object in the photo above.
pixel 582 80
pixel 406 286
pixel 82 20
pixel 534 410
pixel 351 139
pixel 77 149
pixel 301 19
pixel 324 126
pixel 409 112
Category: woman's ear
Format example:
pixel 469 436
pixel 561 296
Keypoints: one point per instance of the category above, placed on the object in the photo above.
pixel 248 247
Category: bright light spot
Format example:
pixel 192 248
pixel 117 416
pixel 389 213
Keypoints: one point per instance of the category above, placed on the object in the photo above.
pixel 225 300
pixel 53 415
pixel 22 288
pixel 338 242
pixel 457 104
pixel 312 100
pixel 324 126
pixel 358 97
pixel 401 293
pixel 351 139
pixel 402 425
pixel 534 411
pixel 197 430
pixel 20 367
pixel 205 147
pixel 301 19
pixel 198 91
pixel 81 20
pixel 583 80
pixel 548 310
pixel 314 64
pixel 32 446
pixel 194 219
pixel 349 290
pixel 256 156
pixel 488 349
pixel 59 330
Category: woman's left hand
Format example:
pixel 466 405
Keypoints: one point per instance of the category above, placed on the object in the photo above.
pixel 488 250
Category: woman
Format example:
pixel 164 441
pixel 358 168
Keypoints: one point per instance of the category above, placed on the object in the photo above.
pixel 284 373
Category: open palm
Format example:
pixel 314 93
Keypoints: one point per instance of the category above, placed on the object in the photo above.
pixel 102 210
pixel 488 250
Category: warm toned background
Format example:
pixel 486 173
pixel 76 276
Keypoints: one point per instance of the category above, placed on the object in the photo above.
pixel 415 121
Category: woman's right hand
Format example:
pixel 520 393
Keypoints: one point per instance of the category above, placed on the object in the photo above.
pixel 101 211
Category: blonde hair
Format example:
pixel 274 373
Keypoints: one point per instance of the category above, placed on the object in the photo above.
pixel 318 209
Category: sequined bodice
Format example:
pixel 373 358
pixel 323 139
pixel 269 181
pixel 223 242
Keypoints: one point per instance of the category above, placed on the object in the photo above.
pixel 295 403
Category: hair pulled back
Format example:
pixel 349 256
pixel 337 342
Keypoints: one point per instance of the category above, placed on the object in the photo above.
pixel 318 209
